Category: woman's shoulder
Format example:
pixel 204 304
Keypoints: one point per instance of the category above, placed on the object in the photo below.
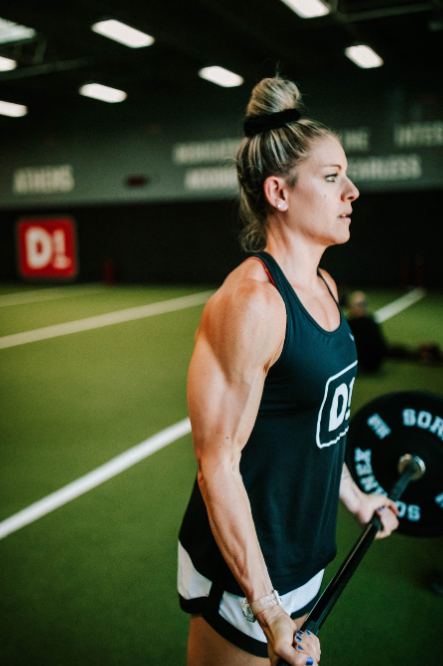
pixel 246 304
pixel 248 286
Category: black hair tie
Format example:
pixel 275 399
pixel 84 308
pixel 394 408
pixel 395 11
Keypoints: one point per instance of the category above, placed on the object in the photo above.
pixel 257 124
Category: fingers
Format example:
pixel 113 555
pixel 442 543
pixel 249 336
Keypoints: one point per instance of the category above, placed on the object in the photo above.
pixel 382 502
pixel 305 652
pixel 286 642
pixel 297 658
pixel 392 505
pixel 305 641
pixel 388 517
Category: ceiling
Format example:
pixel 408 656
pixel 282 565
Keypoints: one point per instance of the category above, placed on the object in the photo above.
pixel 249 37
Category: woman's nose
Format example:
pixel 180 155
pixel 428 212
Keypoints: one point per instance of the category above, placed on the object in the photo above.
pixel 352 193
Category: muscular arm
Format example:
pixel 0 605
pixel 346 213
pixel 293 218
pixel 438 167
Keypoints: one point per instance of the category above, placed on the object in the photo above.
pixel 238 338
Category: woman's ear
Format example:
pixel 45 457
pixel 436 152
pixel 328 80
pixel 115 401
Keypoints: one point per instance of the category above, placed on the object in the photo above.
pixel 275 192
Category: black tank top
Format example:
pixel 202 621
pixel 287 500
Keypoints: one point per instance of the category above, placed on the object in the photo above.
pixel 292 463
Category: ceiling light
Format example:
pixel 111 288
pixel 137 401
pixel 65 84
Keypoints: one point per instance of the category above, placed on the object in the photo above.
pixel 13 110
pixel 12 32
pixel 363 56
pixel 123 33
pixel 308 8
pixel 221 76
pixel 6 64
pixel 104 93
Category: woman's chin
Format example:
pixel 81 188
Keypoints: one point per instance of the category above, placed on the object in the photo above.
pixel 344 236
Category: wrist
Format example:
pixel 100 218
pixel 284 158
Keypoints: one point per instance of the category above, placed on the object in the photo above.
pixel 268 616
pixel 254 608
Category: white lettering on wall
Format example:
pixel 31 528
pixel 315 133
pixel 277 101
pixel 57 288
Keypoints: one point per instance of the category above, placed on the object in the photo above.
pixel 201 152
pixel 43 180
pixel 419 134
pixel 211 178
pixel 38 247
pixel 391 167
pixel 354 140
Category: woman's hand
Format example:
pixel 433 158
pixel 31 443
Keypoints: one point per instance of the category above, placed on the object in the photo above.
pixel 363 506
pixel 285 641
pixel 386 509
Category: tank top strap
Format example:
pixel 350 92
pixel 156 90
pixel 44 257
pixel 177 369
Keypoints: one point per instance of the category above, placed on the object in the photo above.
pixel 276 276
pixel 274 272
pixel 271 279
pixel 327 286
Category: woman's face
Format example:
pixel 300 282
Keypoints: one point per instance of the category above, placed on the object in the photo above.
pixel 320 203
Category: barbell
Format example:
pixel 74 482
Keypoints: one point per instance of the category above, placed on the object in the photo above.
pixel 394 440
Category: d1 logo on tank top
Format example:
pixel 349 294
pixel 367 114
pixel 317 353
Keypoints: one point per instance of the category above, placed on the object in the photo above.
pixel 333 417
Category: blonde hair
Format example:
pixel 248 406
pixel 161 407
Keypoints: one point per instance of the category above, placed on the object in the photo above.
pixel 273 152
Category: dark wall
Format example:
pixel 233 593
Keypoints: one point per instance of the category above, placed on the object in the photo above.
pixel 167 242
pixel 98 147
pixel 195 242
pixel 390 234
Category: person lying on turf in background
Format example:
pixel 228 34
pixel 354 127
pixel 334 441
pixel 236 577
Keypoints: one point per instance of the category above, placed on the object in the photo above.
pixel 371 343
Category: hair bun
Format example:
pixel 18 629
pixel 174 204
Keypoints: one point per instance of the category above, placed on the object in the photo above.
pixel 264 153
pixel 273 95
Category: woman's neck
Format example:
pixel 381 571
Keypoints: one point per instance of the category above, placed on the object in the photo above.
pixel 297 256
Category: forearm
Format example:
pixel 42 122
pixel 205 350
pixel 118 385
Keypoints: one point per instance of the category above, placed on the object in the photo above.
pixel 363 505
pixel 232 525
pixel 350 495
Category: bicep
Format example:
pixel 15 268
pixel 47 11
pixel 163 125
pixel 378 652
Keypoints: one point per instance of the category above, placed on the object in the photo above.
pixel 233 351
pixel 223 403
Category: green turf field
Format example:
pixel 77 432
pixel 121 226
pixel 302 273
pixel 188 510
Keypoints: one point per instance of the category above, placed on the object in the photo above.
pixel 94 582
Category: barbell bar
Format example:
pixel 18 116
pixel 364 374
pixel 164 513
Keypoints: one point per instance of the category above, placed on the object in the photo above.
pixel 378 437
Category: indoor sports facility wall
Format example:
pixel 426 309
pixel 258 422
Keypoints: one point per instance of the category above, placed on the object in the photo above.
pixel 393 241
pixel 182 148
pixel 153 190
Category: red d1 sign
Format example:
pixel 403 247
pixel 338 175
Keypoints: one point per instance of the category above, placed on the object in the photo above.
pixel 47 248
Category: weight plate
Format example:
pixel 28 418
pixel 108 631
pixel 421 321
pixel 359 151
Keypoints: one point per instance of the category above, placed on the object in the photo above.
pixel 380 434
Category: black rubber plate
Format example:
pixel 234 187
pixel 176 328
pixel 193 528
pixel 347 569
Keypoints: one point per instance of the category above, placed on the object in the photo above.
pixel 384 430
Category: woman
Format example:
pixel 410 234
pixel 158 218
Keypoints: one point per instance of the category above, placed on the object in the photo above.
pixel 269 392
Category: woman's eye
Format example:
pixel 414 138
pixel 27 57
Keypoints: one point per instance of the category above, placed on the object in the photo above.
pixel 331 178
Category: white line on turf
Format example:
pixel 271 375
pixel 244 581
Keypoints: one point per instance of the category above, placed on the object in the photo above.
pixel 398 305
pixel 90 323
pixel 94 478
pixel 141 451
pixel 51 294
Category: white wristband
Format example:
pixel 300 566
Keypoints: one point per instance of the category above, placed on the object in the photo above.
pixel 251 609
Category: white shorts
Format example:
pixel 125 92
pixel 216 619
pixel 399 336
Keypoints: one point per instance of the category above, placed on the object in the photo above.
pixel 222 611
